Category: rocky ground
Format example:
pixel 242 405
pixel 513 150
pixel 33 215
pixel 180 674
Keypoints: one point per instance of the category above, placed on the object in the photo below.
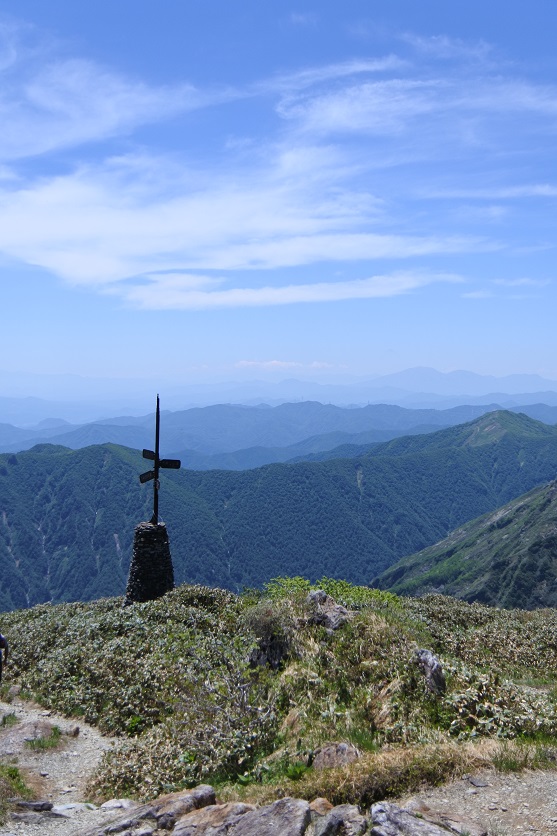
pixel 484 803
pixel 501 804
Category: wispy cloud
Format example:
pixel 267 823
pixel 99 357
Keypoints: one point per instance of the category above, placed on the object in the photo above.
pixel 311 76
pixel 499 193
pixel 49 102
pixel 161 293
pixel 499 288
pixel 74 102
pixel 463 111
pixel 9 33
pixel 303 19
pixel 382 107
pixel 444 47
pixel 185 233
pixel 103 225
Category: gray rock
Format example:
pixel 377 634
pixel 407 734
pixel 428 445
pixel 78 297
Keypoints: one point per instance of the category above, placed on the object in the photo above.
pixel 121 827
pixel 162 813
pixel 332 755
pixel 344 820
pixel 432 670
pixel 477 781
pixel 179 803
pixel 36 806
pixel 325 611
pixel 390 820
pixel 286 817
pixel 35 818
pixel 76 807
pixel 214 820
pixel 119 804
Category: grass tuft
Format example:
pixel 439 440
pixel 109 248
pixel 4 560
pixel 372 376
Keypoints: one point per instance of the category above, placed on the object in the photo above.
pixel 46 741
pixel 12 785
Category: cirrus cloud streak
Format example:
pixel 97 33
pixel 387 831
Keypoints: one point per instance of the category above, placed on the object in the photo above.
pixel 185 293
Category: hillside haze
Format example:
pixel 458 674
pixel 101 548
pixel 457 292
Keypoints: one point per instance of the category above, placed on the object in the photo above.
pixel 68 516
pixel 235 437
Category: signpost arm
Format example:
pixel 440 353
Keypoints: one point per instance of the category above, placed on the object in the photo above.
pixel 157 463
pixel 154 456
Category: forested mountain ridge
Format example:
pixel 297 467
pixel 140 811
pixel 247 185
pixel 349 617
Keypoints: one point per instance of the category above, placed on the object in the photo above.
pixel 503 558
pixel 67 517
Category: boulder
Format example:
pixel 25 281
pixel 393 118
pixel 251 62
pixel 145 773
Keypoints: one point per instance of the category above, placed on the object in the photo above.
pixel 325 611
pixel 390 820
pixel 162 813
pixel 214 820
pixel 344 820
pixel 119 804
pixel 432 671
pixel 286 817
pixel 332 755
pixel 320 807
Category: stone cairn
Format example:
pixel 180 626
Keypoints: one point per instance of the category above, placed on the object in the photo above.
pixel 151 573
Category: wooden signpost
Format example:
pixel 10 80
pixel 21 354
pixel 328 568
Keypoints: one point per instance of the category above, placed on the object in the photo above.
pixel 153 455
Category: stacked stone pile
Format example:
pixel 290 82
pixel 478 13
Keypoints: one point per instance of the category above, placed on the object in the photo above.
pixel 151 573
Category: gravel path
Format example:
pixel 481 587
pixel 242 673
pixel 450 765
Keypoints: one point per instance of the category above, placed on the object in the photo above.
pixel 57 775
pixel 501 804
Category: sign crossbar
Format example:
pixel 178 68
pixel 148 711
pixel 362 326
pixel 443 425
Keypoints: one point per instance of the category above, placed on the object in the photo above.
pixel 153 456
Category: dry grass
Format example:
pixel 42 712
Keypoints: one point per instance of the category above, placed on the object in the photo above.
pixel 396 772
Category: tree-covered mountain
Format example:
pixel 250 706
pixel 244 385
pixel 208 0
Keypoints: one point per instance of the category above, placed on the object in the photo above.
pixel 67 517
pixel 505 558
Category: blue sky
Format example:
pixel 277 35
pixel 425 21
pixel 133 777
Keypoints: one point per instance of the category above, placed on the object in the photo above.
pixel 224 190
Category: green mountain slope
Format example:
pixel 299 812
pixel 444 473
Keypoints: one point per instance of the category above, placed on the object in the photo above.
pixel 67 517
pixel 504 558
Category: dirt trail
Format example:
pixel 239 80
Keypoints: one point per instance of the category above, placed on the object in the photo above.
pixel 57 775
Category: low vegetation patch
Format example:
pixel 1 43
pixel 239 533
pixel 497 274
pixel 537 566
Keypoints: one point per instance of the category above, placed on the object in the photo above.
pixel 12 785
pixel 46 741
pixel 181 681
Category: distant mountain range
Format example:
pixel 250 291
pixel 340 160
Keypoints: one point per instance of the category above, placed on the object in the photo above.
pixel 29 399
pixel 67 517
pixel 233 437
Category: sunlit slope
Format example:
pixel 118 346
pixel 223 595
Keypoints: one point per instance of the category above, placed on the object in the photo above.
pixel 507 558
